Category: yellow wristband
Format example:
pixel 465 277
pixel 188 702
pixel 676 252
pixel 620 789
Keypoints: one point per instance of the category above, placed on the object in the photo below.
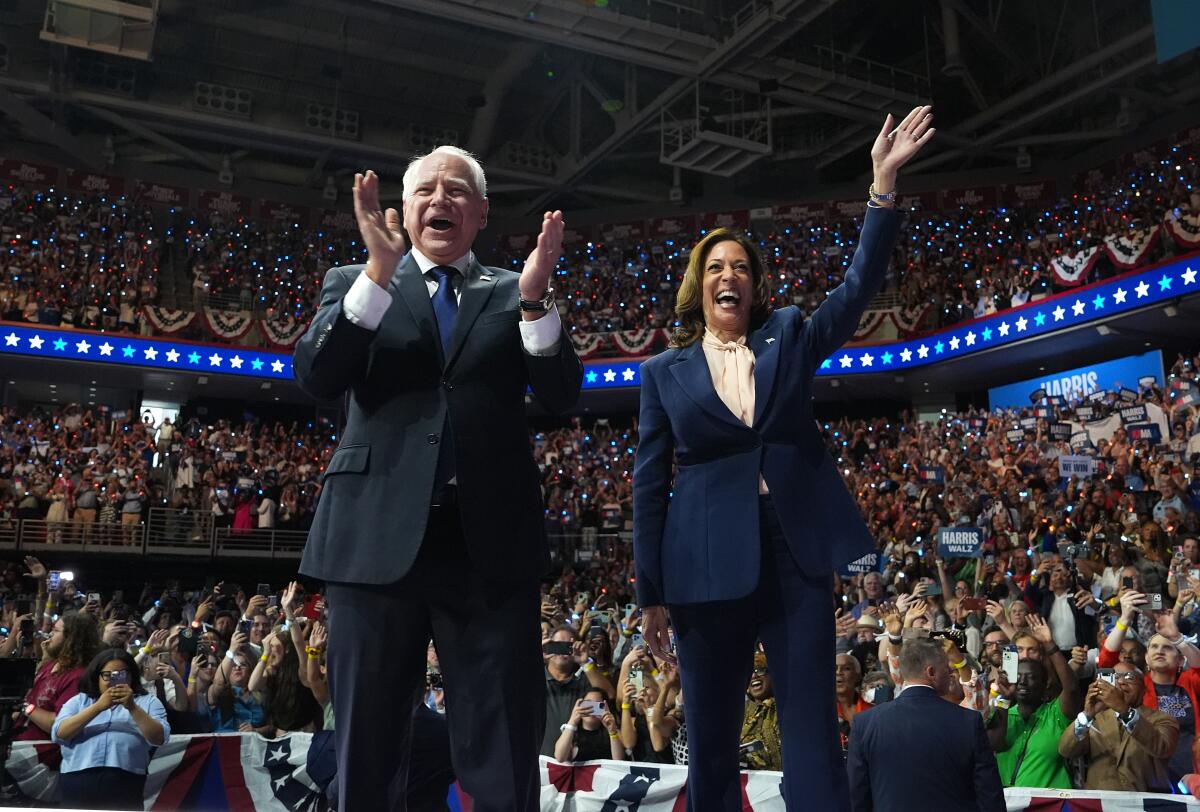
pixel 1121 625
pixel 612 735
pixel 146 650
pixel 588 667
pixel 958 665
pixel 625 706
pixel 262 659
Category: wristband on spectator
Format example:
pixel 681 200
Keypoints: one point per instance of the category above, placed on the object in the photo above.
pixel 146 650
pixel 1002 703
pixel 229 655
pixel 612 736
pixel 895 638
pixel 588 666
pixel 959 665
pixel 994 692
pixel 625 706
pixel 313 652
pixel 569 726
pixel 1121 625
pixel 262 659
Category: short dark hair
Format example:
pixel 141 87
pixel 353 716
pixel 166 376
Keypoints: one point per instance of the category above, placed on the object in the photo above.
pixel 89 683
pixel 916 654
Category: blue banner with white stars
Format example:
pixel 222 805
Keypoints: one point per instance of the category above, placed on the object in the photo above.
pixel 161 353
pixel 1057 312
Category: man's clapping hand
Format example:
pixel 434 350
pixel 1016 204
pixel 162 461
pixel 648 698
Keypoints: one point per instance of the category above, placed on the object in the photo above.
pixel 382 232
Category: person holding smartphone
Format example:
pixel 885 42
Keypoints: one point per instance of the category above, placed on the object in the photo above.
pixel 105 733
pixel 564 659
pixel 591 731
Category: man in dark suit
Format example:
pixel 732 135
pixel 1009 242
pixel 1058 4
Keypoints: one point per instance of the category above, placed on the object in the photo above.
pixel 430 522
pixel 919 751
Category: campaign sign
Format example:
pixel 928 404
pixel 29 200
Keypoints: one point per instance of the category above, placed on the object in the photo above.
pixel 1015 435
pixel 960 542
pixel 1043 411
pixel 1075 465
pixel 1145 432
pixel 1128 395
pixel 1028 422
pixel 1080 383
pixel 859 566
pixel 1060 431
pixel 933 473
pixel 1097 397
pixel 1080 439
pixel 1037 394
pixel 1134 414
pixel 1085 412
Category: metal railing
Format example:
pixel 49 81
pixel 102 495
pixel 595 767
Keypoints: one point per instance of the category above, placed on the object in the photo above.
pixel 258 543
pixel 165 531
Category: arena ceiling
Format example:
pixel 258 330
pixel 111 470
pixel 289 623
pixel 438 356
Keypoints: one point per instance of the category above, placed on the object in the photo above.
pixel 575 103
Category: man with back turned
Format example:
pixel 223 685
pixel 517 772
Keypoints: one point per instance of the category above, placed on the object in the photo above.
pixel 920 752
pixel 430 518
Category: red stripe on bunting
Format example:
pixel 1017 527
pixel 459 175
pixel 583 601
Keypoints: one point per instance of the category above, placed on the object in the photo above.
pixel 183 777
pixel 229 750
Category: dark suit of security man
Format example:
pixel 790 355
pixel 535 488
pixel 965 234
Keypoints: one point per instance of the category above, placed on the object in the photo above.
pixel 430 519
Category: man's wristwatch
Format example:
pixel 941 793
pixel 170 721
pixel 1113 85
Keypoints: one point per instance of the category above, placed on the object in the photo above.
pixel 539 305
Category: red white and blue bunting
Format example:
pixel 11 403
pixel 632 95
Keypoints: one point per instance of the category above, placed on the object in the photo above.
pixel 637 342
pixel 1184 229
pixel 1074 269
pixel 588 344
pixel 283 330
pixel 228 324
pixel 1129 250
pixel 168 321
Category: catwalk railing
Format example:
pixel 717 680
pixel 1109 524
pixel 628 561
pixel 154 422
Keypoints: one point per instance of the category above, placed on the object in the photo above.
pixel 164 532
pixel 194 533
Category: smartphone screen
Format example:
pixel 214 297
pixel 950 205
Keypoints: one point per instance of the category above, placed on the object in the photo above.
pixel 55 579
pixel 1010 665
pixel 636 679
pixel 264 589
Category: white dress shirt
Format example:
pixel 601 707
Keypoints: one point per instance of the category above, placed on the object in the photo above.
pixel 366 302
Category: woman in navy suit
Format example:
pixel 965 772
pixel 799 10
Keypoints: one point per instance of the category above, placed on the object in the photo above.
pixel 742 545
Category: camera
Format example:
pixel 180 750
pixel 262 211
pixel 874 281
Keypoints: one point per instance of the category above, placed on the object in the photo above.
pixel 1154 602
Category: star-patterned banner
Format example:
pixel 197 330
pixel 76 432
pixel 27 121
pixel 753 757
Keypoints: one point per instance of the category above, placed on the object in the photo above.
pixel 116 348
pixel 1058 312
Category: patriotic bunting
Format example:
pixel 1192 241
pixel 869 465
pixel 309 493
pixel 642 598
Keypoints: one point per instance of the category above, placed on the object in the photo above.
pixel 1074 269
pixel 168 321
pixel 229 325
pixel 1127 252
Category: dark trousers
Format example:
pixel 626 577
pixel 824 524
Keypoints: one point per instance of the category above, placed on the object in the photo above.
pixel 488 642
pixel 792 613
pixel 101 788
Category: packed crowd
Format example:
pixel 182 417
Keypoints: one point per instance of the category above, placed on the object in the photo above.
pixel 92 477
pixel 84 261
pixel 91 262
pixel 962 264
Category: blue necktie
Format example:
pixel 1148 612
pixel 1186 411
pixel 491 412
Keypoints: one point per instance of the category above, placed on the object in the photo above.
pixel 445 310
pixel 445 305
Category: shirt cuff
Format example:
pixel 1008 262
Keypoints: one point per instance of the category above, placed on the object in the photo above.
pixel 365 303
pixel 1132 721
pixel 541 336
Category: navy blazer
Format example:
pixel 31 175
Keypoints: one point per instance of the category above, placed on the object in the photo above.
pixel 370 519
pixel 697 540
pixel 919 753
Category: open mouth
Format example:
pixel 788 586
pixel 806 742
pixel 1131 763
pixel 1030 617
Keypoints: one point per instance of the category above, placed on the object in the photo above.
pixel 728 300
pixel 756 684
pixel 440 224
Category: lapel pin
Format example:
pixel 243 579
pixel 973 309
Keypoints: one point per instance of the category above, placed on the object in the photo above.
pixel 770 341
